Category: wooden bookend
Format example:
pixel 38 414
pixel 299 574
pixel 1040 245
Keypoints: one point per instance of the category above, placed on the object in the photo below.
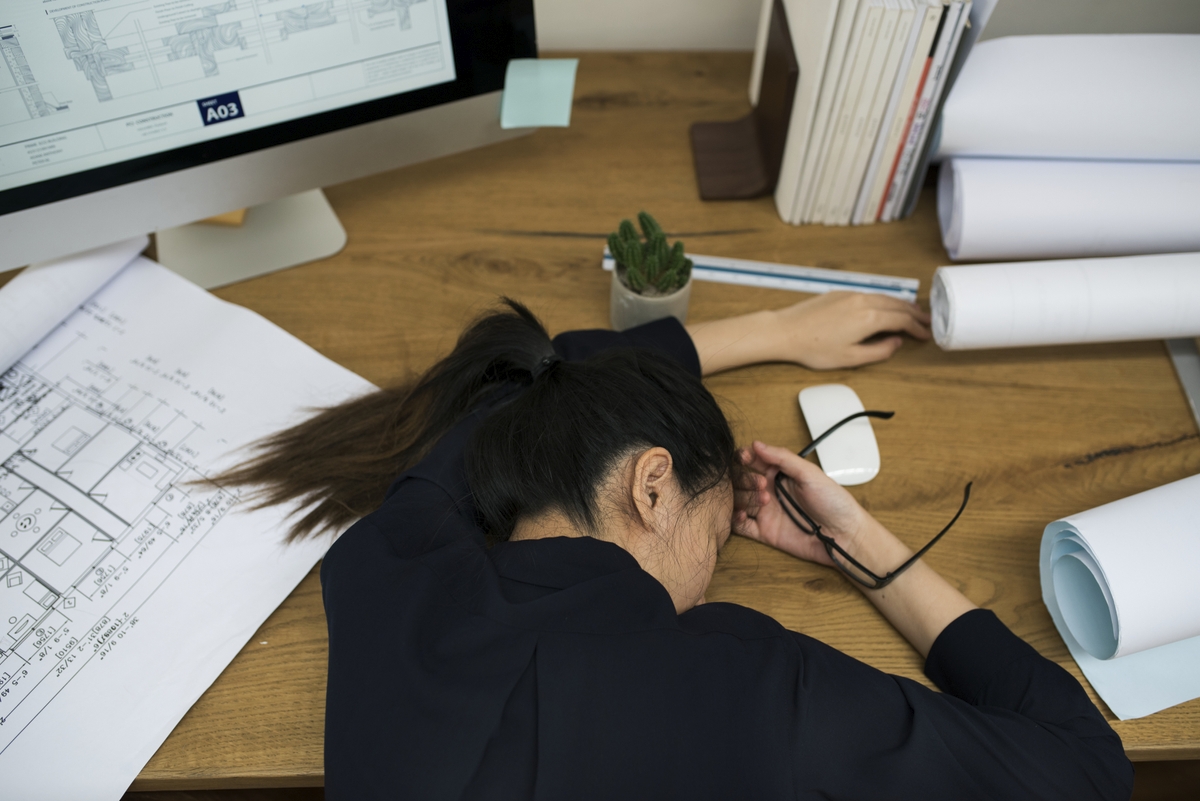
pixel 740 159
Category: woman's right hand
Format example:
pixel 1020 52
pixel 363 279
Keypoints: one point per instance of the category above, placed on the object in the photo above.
pixel 759 516
pixel 919 603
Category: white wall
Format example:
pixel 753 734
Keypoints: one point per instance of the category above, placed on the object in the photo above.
pixel 1093 16
pixel 731 24
pixel 646 24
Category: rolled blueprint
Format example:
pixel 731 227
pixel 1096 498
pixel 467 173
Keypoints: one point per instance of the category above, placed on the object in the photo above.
pixel 1066 302
pixel 1039 209
pixel 41 297
pixel 1120 583
pixel 1082 97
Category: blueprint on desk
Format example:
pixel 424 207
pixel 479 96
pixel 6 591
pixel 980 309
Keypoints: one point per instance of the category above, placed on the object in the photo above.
pixel 127 583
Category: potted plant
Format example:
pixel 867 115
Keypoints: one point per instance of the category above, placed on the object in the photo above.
pixel 650 280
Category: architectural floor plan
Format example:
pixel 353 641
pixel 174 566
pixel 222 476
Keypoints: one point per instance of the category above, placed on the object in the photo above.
pixel 128 580
pixel 95 499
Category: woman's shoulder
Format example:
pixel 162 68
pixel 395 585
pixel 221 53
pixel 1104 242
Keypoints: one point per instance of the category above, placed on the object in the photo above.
pixel 734 620
pixel 419 516
pixel 667 336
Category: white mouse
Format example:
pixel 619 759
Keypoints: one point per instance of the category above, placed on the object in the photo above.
pixel 850 455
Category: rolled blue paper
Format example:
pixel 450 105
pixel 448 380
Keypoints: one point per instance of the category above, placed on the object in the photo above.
pixel 538 93
pixel 1076 593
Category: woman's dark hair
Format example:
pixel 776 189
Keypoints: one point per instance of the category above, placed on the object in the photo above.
pixel 556 430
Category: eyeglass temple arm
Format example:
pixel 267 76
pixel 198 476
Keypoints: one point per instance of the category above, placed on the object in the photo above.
pixel 880 581
pixel 909 562
pixel 831 544
pixel 869 413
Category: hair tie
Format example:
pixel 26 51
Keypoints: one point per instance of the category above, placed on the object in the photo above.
pixel 544 365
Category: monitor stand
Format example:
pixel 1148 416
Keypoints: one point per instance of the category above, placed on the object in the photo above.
pixel 275 235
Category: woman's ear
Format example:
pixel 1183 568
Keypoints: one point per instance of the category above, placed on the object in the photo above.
pixel 652 482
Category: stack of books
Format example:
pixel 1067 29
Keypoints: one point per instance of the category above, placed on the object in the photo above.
pixel 872 77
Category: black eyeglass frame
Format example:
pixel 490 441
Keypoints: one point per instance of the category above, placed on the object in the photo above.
pixel 809 526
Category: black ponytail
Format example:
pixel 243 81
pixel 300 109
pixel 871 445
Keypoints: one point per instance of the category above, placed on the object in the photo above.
pixel 548 446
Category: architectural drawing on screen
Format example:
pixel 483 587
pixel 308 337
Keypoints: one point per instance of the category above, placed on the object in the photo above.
pixel 204 35
pixel 97 505
pixel 20 87
pixel 129 48
pixel 89 50
pixel 401 7
pixel 126 49
pixel 306 18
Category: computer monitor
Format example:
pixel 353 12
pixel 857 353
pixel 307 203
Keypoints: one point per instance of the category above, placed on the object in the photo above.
pixel 121 117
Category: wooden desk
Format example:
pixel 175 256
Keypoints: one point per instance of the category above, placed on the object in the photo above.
pixel 1042 432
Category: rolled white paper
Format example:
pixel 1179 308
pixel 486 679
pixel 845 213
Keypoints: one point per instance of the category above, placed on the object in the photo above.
pixel 1029 209
pixel 41 296
pixel 1081 97
pixel 1124 574
pixel 1120 584
pixel 1066 302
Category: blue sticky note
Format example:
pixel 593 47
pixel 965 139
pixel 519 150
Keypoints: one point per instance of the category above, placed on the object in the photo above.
pixel 538 93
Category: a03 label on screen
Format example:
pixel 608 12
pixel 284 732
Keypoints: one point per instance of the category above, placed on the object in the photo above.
pixel 221 108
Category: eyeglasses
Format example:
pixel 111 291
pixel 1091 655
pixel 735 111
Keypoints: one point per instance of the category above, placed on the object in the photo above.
pixel 845 562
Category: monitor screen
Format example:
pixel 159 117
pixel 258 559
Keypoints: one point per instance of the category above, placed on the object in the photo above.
pixel 106 92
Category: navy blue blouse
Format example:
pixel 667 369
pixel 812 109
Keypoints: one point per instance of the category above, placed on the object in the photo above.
pixel 558 669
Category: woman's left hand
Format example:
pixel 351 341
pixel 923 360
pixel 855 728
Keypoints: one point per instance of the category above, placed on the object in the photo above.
pixel 842 329
pixel 838 329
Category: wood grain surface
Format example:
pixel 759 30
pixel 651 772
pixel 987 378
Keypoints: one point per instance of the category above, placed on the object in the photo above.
pixel 1042 432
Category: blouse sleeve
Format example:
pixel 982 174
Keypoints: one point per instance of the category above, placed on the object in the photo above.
pixel 668 336
pixel 1009 724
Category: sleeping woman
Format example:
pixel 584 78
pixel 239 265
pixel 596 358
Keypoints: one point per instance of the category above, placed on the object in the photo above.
pixel 519 610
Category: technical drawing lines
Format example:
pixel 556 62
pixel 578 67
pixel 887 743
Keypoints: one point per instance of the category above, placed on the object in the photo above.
pixel 401 7
pixel 306 17
pixel 37 103
pixel 90 507
pixel 84 45
pixel 204 36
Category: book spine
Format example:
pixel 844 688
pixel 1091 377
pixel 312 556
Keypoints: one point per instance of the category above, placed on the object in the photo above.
pixel 925 67
pixel 843 26
pixel 895 117
pixel 862 110
pixel 899 45
pixel 811 49
pixel 908 154
pixel 916 179
pixel 881 212
pixel 840 124
pixel 919 164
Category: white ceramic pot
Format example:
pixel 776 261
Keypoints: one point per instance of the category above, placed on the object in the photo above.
pixel 628 309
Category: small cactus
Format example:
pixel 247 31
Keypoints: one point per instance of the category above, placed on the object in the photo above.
pixel 649 267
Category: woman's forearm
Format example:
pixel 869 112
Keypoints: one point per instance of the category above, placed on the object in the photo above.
pixel 919 603
pixel 735 341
